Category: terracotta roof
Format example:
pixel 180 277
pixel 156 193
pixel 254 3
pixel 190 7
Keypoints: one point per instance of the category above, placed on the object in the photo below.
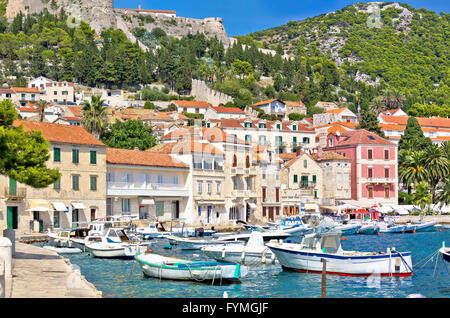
pixel 26 89
pixel 29 109
pixel 186 146
pixel 442 138
pixel 5 90
pixel 328 155
pixel 61 133
pixel 70 118
pixel 392 127
pixel 213 134
pixel 290 155
pixel 191 103
pixel 423 121
pixel 76 110
pixel 361 136
pixel 142 158
pixel 335 111
pixel 264 102
pixel 232 110
pixel 392 111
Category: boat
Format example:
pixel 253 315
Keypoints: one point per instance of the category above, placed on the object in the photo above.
pixel 369 229
pixel 293 226
pixel 185 243
pixel 254 252
pixel 114 244
pixel 163 267
pixel 307 256
pixel 425 226
pixel 159 229
pixel 67 237
pixel 267 236
pixel 63 250
pixel 387 227
pixel 347 229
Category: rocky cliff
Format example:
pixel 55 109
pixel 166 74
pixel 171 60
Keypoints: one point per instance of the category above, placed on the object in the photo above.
pixel 101 14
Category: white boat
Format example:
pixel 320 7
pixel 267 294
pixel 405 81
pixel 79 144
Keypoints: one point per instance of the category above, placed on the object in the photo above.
pixel 292 225
pixel 60 238
pixel 115 244
pixel 267 236
pixel 347 229
pixel 254 252
pixel 369 229
pixel 186 243
pixel 63 250
pixel 391 228
pixel 162 267
pixel 425 226
pixel 158 229
pixel 307 256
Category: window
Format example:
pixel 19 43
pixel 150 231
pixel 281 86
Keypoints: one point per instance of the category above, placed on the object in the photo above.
pixel 315 194
pixel 234 161
pixel 263 194
pixel 218 185
pixel 209 187
pixel 370 192
pixel 247 162
pixel 248 138
pixel 386 154
pixel 197 110
pixel 249 183
pixel 175 179
pixel 208 125
pixel 294 127
pixel 305 163
pixel 199 187
pixel 160 180
pixel 294 141
pixel 330 142
pixel 263 174
pixel 387 192
pixel 262 125
pixel 369 154
pixel 208 164
pixel 198 163
pixel 295 178
pixel 386 172
pixel 57 184
pixel 369 172
pixel 93 183
pixel 234 183
pixel 277 194
pixel 278 140
pixel 75 155
pixel 199 209
pixel 159 208
pixel 109 207
pixel 264 211
pixel 278 126
pixel 93 156
pixel 306 140
pixel 57 154
pixel 314 179
pixel 75 182
pixel 233 214
pixel 262 140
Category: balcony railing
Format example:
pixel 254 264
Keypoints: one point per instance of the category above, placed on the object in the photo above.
pixel 17 193
pixel 296 193
pixel 381 180
pixel 144 186
pixel 243 171
pixel 243 193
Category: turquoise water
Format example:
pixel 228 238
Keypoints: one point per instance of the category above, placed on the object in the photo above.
pixel 123 278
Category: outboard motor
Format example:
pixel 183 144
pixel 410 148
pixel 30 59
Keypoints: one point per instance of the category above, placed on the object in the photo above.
pixel 199 232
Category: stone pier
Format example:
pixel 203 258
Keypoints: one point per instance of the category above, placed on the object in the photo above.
pixel 40 273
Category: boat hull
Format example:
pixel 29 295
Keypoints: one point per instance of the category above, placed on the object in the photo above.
pixel 369 230
pixel 310 262
pixel 249 257
pixel 348 229
pixel 115 250
pixel 445 254
pixel 160 267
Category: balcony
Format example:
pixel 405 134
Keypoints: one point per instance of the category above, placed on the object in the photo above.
pixel 244 171
pixel 209 172
pixel 295 194
pixel 15 193
pixel 381 180
pixel 146 189
pixel 244 193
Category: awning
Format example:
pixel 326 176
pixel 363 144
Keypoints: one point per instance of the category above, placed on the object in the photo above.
pixel 38 206
pixel 252 205
pixel 59 206
pixel 78 206
pixel 148 202
pixel 311 206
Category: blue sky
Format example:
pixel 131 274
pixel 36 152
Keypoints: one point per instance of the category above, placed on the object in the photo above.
pixel 246 16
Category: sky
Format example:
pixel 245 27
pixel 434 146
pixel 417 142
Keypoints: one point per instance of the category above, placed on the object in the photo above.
pixel 242 17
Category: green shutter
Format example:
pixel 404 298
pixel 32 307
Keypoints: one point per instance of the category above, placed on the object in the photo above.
pixel 75 156
pixel 57 154
pixel 93 183
pixel 93 157
pixel 295 178
pixel 12 187
pixel 75 183
pixel 57 184
pixel 314 179
pixel 294 141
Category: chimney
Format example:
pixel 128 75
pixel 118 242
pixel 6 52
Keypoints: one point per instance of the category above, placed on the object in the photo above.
pixel 319 152
pixel 298 151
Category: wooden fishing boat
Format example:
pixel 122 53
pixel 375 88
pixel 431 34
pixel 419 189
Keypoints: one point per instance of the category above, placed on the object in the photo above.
pixel 163 267
pixel 307 256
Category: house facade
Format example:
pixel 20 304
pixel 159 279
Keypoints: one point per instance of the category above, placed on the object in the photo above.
pixel 79 196
pixel 374 166
pixel 222 112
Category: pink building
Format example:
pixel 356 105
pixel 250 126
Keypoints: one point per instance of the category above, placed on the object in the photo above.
pixel 374 175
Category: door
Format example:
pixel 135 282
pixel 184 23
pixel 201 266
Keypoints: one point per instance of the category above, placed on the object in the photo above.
pixel 12 217
pixel 208 214
pixel 92 214
pixel 12 187
pixel 74 216
pixel 175 209
pixel 271 213
pixel 143 212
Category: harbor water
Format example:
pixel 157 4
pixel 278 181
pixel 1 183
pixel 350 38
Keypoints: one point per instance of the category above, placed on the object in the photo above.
pixel 124 278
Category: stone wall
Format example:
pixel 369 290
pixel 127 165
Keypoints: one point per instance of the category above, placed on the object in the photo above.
pixel 202 92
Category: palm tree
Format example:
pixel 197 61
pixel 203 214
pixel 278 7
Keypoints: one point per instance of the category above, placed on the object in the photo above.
pixel 94 116
pixel 412 170
pixel 443 195
pixel 42 105
pixel 422 196
pixel 436 165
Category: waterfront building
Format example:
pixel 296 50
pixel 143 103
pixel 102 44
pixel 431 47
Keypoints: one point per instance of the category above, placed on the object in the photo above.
pixel 145 185
pixel 78 196
pixel 435 128
pixel 279 136
pixel 26 95
pixel 374 166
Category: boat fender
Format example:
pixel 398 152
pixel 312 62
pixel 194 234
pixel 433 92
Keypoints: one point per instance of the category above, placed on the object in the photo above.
pixel 223 252
pixel 324 250
pixel 263 256
pixel 343 238
pixel 149 251
pixel 237 271
pixel 243 255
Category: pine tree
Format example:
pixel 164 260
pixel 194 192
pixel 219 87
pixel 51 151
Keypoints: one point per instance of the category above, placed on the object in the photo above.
pixel 369 122
pixel 414 134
